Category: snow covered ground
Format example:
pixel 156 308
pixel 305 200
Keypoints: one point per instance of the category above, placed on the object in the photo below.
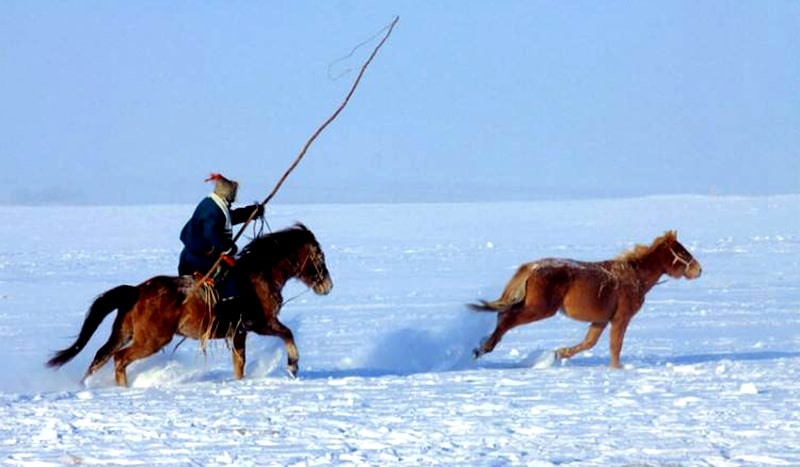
pixel 712 371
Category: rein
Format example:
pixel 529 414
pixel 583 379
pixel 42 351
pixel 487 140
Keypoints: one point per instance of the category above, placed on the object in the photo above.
pixel 296 296
pixel 317 278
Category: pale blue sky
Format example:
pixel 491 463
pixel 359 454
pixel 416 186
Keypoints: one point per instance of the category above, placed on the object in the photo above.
pixel 135 102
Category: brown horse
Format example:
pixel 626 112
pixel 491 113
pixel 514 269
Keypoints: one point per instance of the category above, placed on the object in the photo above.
pixel 598 292
pixel 150 314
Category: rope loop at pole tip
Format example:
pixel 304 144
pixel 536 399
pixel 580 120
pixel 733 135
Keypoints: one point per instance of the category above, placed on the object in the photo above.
pixel 336 77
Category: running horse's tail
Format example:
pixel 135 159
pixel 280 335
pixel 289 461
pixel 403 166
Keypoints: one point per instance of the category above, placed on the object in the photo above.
pixel 513 294
pixel 120 298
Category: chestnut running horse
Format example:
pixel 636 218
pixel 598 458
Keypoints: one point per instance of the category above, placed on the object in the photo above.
pixel 595 292
pixel 150 314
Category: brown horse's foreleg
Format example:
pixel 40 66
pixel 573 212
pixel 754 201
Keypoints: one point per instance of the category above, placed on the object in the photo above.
pixel 238 352
pixel 618 328
pixel 276 328
pixel 592 336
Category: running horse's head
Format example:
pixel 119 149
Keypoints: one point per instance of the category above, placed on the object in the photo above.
pixel 679 262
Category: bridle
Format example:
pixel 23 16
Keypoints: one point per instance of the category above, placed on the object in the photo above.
pixel 678 259
pixel 318 277
pixel 313 256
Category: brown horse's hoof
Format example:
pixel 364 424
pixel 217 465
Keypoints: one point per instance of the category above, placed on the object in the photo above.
pixel 292 370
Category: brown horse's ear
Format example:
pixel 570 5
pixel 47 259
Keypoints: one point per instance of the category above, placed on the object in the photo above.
pixel 671 235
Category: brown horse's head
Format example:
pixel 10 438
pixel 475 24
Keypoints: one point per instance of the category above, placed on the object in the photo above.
pixel 292 252
pixel 312 271
pixel 679 262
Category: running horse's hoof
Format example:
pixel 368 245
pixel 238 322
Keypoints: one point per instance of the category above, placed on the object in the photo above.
pixel 479 350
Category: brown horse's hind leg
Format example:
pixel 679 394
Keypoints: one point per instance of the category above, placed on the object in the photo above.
pixel 512 318
pixel 118 338
pixel 137 351
pixel 592 336
pixel 104 354
pixel 541 301
pixel 505 321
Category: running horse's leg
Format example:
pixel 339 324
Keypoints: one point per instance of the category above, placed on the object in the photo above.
pixel 592 336
pixel 618 327
pixel 536 306
pixel 505 321
pixel 543 297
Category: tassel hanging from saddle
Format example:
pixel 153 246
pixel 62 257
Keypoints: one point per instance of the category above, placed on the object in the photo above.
pixel 208 285
pixel 210 297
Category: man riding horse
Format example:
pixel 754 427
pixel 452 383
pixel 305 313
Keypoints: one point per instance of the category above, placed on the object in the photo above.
pixel 208 235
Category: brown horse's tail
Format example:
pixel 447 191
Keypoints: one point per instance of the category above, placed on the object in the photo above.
pixel 120 298
pixel 513 294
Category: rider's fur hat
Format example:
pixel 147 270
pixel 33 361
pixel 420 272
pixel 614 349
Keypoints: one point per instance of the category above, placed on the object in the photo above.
pixel 224 188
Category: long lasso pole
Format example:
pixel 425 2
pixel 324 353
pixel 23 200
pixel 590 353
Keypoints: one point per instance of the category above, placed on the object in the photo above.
pixel 322 127
pixel 310 140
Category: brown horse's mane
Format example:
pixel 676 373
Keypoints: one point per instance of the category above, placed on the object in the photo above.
pixel 266 250
pixel 641 251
